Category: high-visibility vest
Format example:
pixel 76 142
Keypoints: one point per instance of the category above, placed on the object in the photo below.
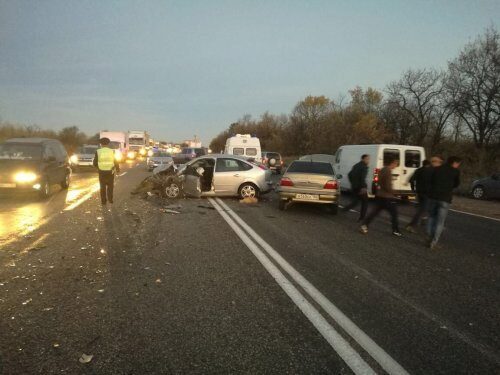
pixel 105 159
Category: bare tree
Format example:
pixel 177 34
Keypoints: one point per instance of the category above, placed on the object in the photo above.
pixel 474 85
pixel 420 94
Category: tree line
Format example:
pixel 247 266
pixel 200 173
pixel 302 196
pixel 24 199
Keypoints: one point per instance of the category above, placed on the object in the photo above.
pixel 450 111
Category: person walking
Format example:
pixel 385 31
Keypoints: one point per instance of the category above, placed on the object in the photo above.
pixel 357 178
pixel 107 165
pixel 384 199
pixel 443 180
pixel 420 182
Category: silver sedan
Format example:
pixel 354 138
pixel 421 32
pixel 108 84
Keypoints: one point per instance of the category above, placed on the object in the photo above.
pixel 220 175
pixel 158 158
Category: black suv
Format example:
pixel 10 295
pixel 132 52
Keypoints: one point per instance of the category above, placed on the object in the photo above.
pixel 273 161
pixel 33 164
pixel 188 154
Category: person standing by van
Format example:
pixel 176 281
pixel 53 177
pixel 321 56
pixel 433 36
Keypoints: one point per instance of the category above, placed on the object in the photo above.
pixel 105 161
pixel 385 199
pixel 420 182
pixel 357 178
pixel 443 180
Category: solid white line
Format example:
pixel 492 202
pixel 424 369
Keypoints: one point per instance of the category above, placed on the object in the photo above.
pixel 122 174
pixel 78 202
pixel 371 347
pixel 338 343
pixel 471 214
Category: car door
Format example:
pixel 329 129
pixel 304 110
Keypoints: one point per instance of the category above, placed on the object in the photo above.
pixel 494 186
pixel 397 173
pixel 192 180
pixel 50 164
pixel 228 176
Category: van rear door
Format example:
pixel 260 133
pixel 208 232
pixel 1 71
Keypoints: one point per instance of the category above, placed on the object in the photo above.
pixel 412 160
pixel 390 153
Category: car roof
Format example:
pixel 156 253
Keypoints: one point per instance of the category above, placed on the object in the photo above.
pixel 30 140
pixel 215 156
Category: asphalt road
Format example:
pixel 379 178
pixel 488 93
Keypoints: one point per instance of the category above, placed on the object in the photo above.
pixel 226 287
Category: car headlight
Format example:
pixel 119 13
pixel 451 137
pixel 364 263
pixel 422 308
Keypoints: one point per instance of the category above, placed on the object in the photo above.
pixel 142 152
pixel 74 159
pixel 131 155
pixel 118 155
pixel 150 153
pixel 23 177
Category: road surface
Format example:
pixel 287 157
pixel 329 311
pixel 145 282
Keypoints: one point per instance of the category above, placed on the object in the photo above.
pixel 225 287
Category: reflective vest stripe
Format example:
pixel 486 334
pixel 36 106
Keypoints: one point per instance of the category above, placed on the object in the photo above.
pixel 105 159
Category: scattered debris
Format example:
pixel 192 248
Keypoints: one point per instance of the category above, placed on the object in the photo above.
pixel 206 207
pixel 168 211
pixel 86 358
pixel 48 308
pixel 99 218
pixel 249 200
pixel 158 281
pixel 55 345
pixel 27 301
pixel 101 290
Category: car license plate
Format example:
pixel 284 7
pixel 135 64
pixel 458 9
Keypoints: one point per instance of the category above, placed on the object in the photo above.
pixel 309 197
pixel 7 185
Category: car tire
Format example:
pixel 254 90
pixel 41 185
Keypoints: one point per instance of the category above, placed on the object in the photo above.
pixel 65 183
pixel 282 204
pixel 334 209
pixel 248 190
pixel 172 188
pixel 478 192
pixel 44 190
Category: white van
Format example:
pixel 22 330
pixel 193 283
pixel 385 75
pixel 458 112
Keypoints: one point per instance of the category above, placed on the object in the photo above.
pixel 410 158
pixel 244 145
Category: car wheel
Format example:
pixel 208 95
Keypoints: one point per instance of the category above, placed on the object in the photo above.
pixel 478 192
pixel 248 190
pixel 334 209
pixel 44 190
pixel 282 204
pixel 65 182
pixel 172 189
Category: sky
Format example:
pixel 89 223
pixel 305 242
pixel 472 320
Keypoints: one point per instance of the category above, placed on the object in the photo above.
pixel 185 68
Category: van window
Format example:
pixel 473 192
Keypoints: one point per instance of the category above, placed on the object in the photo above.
pixel 238 151
pixel 337 156
pixel 391 154
pixel 251 151
pixel 412 159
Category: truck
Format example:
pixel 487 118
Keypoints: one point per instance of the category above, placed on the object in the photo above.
pixel 118 141
pixel 244 145
pixel 138 142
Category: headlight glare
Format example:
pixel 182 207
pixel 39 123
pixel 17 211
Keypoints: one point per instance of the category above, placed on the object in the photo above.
pixel 74 159
pixel 23 177
pixel 118 155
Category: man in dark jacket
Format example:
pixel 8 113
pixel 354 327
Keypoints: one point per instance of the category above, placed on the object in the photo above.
pixel 385 199
pixel 357 177
pixel 443 180
pixel 420 183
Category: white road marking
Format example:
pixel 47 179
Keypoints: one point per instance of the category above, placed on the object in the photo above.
pixel 122 174
pixel 35 243
pixel 87 196
pixel 471 214
pixel 372 348
pixel 338 343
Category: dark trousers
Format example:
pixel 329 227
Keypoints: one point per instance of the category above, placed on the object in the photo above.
pixel 357 197
pixel 422 209
pixel 106 181
pixel 387 204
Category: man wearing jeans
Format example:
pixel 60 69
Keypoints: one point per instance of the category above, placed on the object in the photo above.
pixel 443 180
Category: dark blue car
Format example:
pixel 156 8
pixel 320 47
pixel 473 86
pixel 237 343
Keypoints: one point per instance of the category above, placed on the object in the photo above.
pixel 487 187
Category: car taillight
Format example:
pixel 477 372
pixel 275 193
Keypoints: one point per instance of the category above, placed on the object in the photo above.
pixel 281 162
pixel 265 160
pixel 375 174
pixel 286 182
pixel 331 185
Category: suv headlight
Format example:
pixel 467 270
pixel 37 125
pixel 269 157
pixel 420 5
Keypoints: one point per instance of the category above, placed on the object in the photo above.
pixel 74 159
pixel 23 177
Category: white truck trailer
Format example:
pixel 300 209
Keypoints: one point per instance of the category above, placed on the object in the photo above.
pixel 138 142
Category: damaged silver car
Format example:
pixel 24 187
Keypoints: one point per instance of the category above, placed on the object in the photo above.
pixel 219 175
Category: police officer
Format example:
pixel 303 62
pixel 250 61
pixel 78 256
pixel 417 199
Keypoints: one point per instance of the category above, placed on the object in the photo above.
pixel 107 165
